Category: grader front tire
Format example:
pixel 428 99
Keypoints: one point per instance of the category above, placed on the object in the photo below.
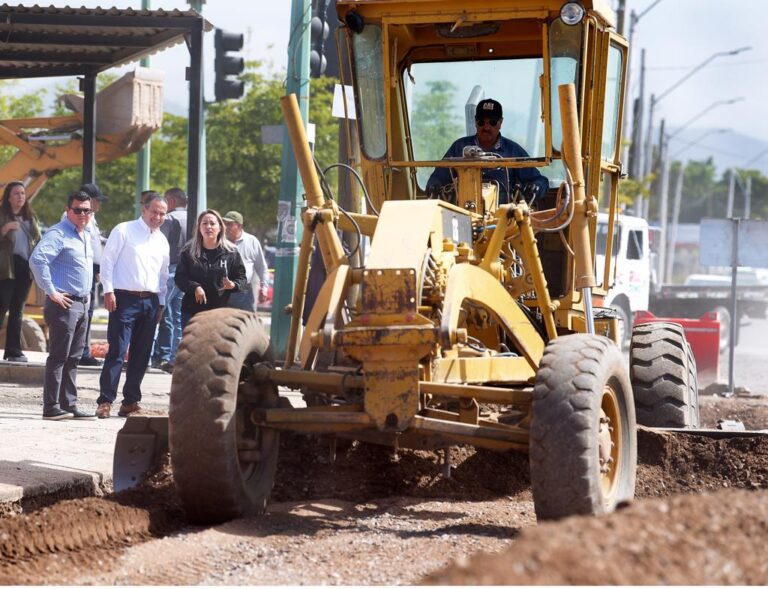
pixel 583 445
pixel 223 466
pixel 663 374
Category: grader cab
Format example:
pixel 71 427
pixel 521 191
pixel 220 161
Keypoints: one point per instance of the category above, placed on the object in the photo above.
pixel 474 316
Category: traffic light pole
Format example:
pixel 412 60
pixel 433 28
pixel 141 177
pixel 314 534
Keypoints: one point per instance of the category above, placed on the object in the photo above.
pixel 202 191
pixel 289 228
pixel 144 155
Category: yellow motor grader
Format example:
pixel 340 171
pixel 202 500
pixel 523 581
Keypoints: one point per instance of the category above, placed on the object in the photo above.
pixel 474 315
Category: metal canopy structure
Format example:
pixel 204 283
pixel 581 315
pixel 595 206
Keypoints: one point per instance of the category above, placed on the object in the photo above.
pixel 49 41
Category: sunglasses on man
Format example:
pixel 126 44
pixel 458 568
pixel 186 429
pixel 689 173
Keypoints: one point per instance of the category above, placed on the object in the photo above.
pixel 491 121
pixel 80 211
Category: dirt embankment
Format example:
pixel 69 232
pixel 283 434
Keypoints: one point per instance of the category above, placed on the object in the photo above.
pixel 680 537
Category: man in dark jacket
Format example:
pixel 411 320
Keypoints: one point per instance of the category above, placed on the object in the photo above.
pixel 488 119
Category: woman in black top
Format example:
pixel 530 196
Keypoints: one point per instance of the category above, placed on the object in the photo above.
pixel 209 268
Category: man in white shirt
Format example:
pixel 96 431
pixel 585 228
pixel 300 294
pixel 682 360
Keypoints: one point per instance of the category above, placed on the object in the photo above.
pixel 252 254
pixel 134 273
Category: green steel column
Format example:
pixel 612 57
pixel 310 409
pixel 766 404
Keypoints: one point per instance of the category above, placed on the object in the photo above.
pixel 144 156
pixel 289 228
pixel 202 199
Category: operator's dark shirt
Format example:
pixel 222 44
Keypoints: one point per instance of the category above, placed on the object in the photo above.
pixel 505 148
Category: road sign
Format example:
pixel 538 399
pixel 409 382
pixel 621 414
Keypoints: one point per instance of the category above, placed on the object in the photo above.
pixel 716 242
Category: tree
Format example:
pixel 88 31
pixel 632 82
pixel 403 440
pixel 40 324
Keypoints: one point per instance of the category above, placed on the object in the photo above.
pixel 243 173
pixel 434 127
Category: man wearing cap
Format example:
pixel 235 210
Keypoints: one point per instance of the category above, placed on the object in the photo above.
pixel 97 198
pixel 62 264
pixel 488 119
pixel 252 254
pixel 134 272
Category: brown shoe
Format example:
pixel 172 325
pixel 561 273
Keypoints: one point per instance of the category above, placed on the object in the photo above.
pixel 130 409
pixel 102 411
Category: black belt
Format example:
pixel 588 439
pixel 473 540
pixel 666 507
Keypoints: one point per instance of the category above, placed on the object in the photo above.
pixel 142 294
pixel 77 299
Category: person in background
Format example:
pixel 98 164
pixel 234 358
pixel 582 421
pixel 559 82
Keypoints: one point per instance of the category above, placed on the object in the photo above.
pixel 19 233
pixel 97 198
pixel 253 257
pixel 169 331
pixel 134 273
pixel 210 268
pixel 62 264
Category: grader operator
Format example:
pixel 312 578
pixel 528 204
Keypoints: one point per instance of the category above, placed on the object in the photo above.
pixel 486 299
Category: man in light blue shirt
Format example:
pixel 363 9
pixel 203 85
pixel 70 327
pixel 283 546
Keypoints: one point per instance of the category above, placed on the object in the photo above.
pixel 62 264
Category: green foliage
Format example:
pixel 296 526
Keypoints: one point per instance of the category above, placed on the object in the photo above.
pixel 14 106
pixel 117 179
pixel 243 173
pixel 433 126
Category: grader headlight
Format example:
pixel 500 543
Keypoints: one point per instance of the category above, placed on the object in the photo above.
pixel 572 13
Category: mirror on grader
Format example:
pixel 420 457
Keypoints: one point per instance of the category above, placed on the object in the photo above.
pixel 477 289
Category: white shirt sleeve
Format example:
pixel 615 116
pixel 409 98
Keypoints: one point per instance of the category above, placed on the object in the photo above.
pixel 109 256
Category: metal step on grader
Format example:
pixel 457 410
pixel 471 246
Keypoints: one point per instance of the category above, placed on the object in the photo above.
pixel 486 296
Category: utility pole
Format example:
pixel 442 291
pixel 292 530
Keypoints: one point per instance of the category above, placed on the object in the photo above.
pixel 675 219
pixel 748 198
pixel 731 193
pixel 202 194
pixel 663 205
pixel 144 155
pixel 289 228
pixel 620 11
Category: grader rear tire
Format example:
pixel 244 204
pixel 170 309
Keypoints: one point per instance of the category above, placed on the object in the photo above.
pixel 663 374
pixel 583 444
pixel 223 466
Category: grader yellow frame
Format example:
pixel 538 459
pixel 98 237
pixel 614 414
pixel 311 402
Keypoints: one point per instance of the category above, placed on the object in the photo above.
pixel 454 306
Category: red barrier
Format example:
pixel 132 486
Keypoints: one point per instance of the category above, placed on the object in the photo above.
pixel 704 336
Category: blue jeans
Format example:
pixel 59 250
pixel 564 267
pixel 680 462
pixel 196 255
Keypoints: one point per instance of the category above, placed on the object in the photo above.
pixel 169 330
pixel 132 323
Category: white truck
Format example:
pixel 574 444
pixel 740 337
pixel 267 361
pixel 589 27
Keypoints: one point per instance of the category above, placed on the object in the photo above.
pixel 631 280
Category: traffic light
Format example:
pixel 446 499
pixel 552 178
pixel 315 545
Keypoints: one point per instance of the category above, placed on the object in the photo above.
pixel 319 32
pixel 228 65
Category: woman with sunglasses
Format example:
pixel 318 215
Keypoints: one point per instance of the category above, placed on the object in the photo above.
pixel 488 139
pixel 19 233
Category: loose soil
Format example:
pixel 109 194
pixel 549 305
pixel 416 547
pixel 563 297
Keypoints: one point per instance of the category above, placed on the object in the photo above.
pixel 378 517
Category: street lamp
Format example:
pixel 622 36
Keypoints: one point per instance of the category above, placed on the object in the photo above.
pixel 697 116
pixel 664 183
pixel 697 141
pixel 655 100
pixel 637 121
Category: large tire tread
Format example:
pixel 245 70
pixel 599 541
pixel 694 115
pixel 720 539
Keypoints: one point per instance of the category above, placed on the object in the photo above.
pixel 203 404
pixel 663 374
pixel 564 459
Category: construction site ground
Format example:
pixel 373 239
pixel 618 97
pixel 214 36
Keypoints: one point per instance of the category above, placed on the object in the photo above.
pixel 373 516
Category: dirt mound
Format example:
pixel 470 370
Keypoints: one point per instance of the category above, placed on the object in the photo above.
pixel 150 510
pixel 714 539
pixel 684 463
pixel 366 471
pixel 669 464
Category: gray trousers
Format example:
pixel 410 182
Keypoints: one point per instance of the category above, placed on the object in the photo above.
pixel 66 338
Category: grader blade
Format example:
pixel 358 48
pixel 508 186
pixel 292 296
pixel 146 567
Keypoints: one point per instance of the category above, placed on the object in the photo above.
pixel 140 446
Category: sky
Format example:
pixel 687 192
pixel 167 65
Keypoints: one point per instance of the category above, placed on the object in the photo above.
pixel 678 35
